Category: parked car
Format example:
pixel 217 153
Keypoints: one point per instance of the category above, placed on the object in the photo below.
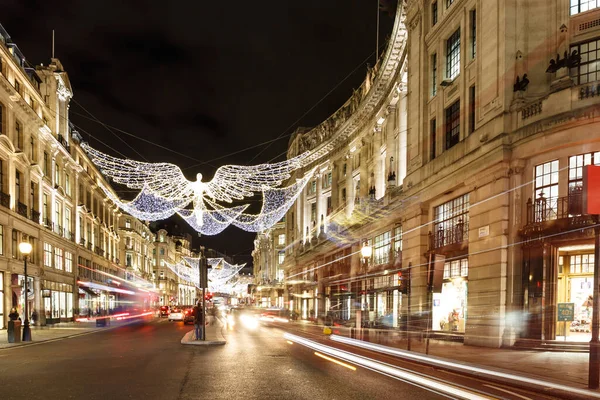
pixel 176 314
pixel 163 311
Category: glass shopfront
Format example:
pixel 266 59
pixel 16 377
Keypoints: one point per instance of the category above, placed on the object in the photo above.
pixel 449 311
pixel 576 285
pixel 58 301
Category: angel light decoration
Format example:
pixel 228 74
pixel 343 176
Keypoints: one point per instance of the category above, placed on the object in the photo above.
pixel 164 191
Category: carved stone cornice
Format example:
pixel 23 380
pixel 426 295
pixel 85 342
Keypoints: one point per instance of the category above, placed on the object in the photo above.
pixel 346 123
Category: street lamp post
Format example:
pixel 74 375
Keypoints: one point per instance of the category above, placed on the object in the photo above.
pixel 25 249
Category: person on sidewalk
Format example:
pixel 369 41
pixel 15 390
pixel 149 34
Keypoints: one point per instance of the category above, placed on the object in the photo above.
pixel 198 326
pixel 14 315
pixel 34 317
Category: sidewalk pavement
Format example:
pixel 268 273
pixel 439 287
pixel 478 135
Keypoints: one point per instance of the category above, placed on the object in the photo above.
pixel 62 330
pixel 214 335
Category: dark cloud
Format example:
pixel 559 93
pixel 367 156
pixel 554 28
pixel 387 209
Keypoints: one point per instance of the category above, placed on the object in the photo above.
pixel 205 79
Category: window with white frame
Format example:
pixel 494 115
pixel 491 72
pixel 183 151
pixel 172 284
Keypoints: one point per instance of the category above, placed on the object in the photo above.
pixel 579 6
pixel 68 261
pixel 451 221
pixel 281 239
pixel 576 164
pixel 381 248
pixel 128 223
pixel 58 258
pixel 582 264
pixel 546 190
pixel 453 55
pixel 456 268
pixel 588 69
pixel 398 239
pixel 281 257
pixel 47 255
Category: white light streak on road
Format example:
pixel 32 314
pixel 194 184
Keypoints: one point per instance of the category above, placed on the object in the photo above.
pixel 389 370
pixel 456 366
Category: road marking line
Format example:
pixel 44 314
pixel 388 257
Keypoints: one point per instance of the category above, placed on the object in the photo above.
pixel 508 391
pixel 335 361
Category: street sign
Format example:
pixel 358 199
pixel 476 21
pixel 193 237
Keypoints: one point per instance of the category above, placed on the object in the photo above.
pixel 566 311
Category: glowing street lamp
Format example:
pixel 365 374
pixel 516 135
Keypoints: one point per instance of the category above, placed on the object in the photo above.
pixel 366 251
pixel 25 249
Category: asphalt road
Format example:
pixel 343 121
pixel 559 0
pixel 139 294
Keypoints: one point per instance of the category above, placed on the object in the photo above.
pixel 146 361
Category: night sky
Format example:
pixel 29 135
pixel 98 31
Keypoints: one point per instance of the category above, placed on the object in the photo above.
pixel 206 80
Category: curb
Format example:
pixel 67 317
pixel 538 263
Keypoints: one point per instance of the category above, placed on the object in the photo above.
pixel 187 340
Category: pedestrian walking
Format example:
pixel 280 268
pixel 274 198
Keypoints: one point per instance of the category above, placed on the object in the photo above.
pixel 34 317
pixel 198 325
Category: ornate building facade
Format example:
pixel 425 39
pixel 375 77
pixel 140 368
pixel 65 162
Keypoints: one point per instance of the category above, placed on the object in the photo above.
pixel 50 196
pixel 488 110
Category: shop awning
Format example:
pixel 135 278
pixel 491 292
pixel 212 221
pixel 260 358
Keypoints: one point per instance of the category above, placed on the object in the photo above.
pixel 84 290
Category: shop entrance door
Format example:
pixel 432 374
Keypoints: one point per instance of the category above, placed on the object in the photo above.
pixel 576 285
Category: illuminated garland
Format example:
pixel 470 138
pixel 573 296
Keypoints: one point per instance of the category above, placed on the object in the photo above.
pixel 221 274
pixel 164 191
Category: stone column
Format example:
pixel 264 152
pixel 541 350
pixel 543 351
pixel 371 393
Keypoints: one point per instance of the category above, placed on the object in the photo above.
pixel 515 260
pixel 11 184
pixel 401 155
pixel 349 188
pixel 319 201
pixel 364 170
pixel 335 171
pixel 378 168
pixel 390 166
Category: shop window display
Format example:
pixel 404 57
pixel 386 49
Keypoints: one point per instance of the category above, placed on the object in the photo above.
pixel 450 306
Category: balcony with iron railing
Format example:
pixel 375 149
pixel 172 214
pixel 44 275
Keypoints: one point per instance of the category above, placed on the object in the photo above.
pixel 457 235
pixel 48 224
pixel 4 200
pixel 64 142
pixel 35 216
pixel 556 214
pixel 22 209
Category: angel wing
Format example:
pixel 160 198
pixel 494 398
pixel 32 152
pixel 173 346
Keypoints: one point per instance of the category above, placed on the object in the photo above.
pixel 238 181
pixel 162 179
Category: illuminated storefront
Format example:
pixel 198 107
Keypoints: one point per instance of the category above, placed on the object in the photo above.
pixel 57 301
pixel 450 305
pixel 576 285
pixel 381 301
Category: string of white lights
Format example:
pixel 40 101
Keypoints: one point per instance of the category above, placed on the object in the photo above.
pixel 221 276
pixel 164 190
